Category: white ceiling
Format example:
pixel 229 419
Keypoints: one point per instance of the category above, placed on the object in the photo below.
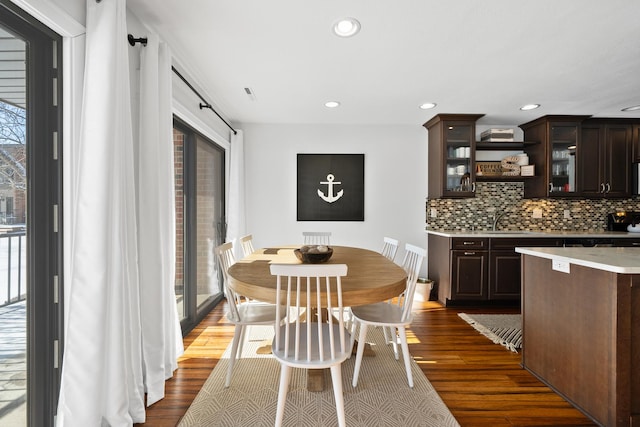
pixel 468 56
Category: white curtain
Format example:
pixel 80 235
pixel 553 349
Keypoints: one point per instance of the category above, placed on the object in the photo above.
pixel 102 370
pixel 122 334
pixel 236 218
pixel 161 335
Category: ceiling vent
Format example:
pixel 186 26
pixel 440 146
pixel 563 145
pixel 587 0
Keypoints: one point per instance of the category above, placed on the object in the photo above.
pixel 250 93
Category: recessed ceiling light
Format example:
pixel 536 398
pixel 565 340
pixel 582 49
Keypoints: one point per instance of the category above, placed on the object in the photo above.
pixel 346 27
pixel 428 105
pixel 332 104
pixel 633 108
pixel 529 107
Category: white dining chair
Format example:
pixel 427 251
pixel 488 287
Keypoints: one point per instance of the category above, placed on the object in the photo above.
pixel 313 344
pixel 395 314
pixel 317 237
pixel 389 248
pixel 242 312
pixel 247 244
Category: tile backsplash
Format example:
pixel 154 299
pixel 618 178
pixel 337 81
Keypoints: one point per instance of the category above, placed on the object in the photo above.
pixel 507 198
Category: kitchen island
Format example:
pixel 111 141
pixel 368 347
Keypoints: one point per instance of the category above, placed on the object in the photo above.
pixel 581 327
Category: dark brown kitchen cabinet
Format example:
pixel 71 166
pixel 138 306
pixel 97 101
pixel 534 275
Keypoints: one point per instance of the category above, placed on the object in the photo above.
pixel 504 265
pixel 605 158
pixel 554 157
pixel 636 143
pixel 469 274
pixel 478 270
pixel 451 149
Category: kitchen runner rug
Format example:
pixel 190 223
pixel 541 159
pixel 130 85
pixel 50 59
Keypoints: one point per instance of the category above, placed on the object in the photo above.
pixel 504 329
pixel 382 397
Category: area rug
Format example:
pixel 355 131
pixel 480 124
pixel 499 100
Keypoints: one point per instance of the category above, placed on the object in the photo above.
pixel 382 397
pixel 504 329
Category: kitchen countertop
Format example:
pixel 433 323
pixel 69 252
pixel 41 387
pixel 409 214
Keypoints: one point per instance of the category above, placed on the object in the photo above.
pixel 615 260
pixel 529 234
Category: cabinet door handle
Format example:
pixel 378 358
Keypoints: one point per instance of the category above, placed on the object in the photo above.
pixel 602 187
pixel 469 253
pixel 635 244
pixel 550 187
pixel 473 187
pixel 468 243
pixel 608 188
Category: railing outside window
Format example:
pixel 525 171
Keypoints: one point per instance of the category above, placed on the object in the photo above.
pixel 13 278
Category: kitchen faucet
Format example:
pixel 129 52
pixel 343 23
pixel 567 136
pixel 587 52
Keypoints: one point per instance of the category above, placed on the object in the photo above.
pixel 495 218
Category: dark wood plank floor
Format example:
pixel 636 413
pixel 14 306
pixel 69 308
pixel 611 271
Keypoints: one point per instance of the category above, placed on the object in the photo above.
pixel 482 383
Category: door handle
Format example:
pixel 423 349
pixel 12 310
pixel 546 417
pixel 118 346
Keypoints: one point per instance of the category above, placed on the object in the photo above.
pixel 602 187
pixel 469 253
pixel 608 188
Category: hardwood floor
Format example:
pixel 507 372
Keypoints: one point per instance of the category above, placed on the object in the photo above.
pixel 482 383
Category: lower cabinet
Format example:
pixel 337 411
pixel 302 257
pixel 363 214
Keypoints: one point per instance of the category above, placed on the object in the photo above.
pixel 469 274
pixel 471 271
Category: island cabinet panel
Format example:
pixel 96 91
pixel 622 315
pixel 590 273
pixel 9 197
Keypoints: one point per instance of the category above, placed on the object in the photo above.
pixel 581 336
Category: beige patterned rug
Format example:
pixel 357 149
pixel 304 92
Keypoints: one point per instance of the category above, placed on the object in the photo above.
pixel 382 398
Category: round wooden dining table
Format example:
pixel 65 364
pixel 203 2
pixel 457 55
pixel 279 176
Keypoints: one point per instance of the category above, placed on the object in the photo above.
pixel 370 276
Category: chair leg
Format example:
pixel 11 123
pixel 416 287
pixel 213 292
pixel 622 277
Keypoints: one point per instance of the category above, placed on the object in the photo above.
pixel 361 341
pixel 237 334
pixel 336 379
pixel 241 343
pixel 394 340
pixel 406 355
pixel 353 328
pixel 285 373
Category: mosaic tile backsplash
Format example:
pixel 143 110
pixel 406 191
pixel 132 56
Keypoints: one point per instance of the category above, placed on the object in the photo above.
pixel 506 199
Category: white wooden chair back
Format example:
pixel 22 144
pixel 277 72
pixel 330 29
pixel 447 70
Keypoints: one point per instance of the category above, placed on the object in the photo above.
pixel 305 288
pixel 389 248
pixel 224 254
pixel 412 262
pixel 247 244
pixel 317 237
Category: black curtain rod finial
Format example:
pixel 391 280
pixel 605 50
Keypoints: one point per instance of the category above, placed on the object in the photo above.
pixel 133 40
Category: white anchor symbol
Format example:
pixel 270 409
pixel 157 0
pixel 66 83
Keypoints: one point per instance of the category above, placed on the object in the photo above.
pixel 331 197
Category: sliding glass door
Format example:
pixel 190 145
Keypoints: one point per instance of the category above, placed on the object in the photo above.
pixel 200 223
pixel 30 219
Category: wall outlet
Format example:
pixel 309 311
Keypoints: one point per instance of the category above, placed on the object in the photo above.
pixel 537 213
pixel 434 213
pixel 567 214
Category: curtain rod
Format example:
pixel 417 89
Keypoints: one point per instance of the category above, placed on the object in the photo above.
pixel 143 40
pixel 206 104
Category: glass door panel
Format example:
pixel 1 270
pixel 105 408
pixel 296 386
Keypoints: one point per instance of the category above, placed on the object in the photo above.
pixel 178 167
pixel 458 164
pixel 209 219
pixel 200 223
pixel 564 140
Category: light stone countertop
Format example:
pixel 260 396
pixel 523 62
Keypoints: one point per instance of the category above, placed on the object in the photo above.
pixel 616 260
pixel 528 234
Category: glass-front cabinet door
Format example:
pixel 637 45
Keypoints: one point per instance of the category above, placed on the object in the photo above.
pixel 459 140
pixel 452 146
pixel 564 142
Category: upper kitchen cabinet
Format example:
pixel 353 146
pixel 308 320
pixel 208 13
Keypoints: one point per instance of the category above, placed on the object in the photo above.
pixel 605 158
pixel 452 139
pixel 636 143
pixel 554 157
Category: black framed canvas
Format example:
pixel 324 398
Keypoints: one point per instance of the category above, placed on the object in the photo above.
pixel 330 187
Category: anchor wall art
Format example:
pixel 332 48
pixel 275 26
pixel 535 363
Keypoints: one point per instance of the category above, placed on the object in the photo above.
pixel 330 187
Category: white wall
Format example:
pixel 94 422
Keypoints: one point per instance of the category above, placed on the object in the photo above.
pixel 395 182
